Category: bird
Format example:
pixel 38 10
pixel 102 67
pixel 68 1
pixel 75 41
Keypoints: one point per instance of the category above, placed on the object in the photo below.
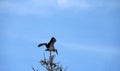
pixel 50 45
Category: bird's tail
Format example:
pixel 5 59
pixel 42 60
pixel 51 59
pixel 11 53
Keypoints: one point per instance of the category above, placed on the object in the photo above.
pixel 41 44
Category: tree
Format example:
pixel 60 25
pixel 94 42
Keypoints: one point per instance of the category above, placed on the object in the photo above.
pixel 49 64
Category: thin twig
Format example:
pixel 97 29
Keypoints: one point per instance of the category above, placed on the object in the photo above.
pixel 33 68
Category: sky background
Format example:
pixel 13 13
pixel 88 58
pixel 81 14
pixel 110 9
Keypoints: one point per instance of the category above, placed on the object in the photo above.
pixel 87 33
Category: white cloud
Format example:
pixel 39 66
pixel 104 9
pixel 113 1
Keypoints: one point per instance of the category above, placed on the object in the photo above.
pixel 47 7
pixel 102 49
pixel 81 4
pixel 62 2
pixel 39 6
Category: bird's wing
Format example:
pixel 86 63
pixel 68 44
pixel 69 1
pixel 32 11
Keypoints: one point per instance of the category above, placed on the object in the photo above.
pixel 41 44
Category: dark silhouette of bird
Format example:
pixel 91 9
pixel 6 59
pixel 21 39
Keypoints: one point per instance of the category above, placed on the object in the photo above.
pixel 50 45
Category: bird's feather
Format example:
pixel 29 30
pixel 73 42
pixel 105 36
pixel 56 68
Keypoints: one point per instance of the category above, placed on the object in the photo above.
pixel 51 42
pixel 41 44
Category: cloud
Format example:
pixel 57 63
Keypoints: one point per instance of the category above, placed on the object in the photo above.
pixel 102 49
pixel 47 7
pixel 39 6
pixel 80 4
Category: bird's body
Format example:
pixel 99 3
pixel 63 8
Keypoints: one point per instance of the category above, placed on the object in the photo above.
pixel 50 45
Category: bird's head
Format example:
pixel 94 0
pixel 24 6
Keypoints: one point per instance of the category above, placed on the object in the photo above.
pixel 53 39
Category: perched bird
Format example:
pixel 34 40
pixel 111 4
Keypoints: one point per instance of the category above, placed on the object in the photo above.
pixel 50 45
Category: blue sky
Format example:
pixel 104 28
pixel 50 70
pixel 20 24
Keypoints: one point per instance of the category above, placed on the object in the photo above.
pixel 87 33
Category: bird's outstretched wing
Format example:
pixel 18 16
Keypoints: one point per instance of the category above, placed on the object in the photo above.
pixel 41 44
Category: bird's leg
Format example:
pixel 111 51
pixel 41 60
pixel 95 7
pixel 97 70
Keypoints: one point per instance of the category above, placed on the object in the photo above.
pixel 50 53
pixel 50 60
